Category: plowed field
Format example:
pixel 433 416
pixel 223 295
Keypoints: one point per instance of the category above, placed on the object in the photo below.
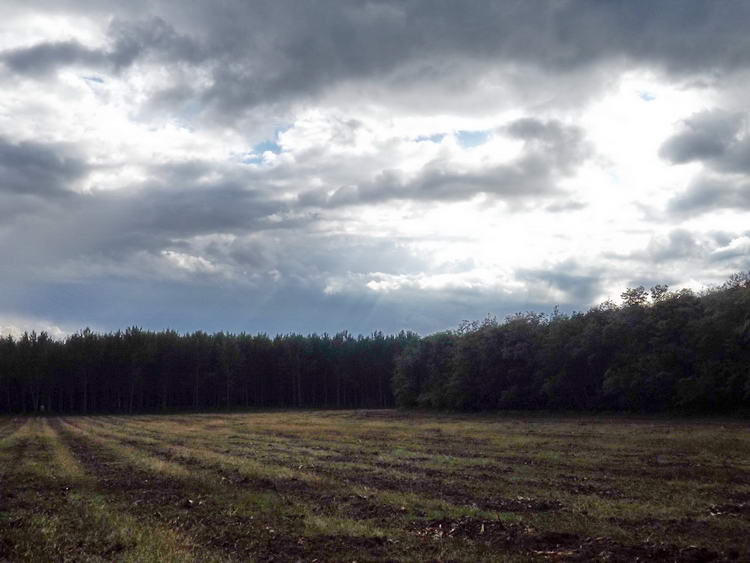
pixel 373 485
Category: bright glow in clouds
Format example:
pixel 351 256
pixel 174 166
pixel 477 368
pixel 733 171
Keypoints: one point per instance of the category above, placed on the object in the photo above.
pixel 171 169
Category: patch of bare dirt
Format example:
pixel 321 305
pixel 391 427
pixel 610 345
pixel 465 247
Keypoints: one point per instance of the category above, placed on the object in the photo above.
pixel 327 548
pixel 357 507
pixel 741 509
pixel 466 473
pixel 580 485
pixel 560 546
pixel 451 492
pixel 677 471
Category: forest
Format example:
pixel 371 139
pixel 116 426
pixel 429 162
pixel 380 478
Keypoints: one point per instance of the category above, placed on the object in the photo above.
pixel 657 351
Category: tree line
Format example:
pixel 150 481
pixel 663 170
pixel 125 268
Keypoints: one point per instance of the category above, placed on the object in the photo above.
pixel 659 350
pixel 137 370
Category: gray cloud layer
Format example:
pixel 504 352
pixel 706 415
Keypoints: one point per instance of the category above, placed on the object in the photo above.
pixel 261 53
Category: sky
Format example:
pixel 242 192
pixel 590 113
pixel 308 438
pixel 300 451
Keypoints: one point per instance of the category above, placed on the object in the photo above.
pixel 321 166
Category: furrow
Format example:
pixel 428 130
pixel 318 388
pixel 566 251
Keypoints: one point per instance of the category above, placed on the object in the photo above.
pixel 240 523
pixel 139 539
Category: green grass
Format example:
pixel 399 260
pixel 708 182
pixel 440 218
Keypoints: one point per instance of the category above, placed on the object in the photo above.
pixel 372 485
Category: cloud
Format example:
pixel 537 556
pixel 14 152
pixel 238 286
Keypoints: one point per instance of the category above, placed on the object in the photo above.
pixel 245 56
pixel 709 192
pixel 292 50
pixel 565 206
pixel 44 58
pixel 551 151
pixel 717 138
pixel 147 231
pixel 15 326
pixel 720 140
pixel 564 283
pixel 32 168
pixel 707 135
pixel 678 244
pixel 152 36
pixel 736 250
pixel 680 257
pixel 129 41
pixel 675 246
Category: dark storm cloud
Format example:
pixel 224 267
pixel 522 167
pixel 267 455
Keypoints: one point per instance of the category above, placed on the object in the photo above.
pixel 130 40
pixel 717 138
pixel 270 52
pixel 294 48
pixel 48 57
pixel 152 36
pixel 39 169
pixel 551 151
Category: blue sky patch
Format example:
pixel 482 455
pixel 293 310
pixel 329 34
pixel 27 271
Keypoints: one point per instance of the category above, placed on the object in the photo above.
pixel 267 145
pixel 436 138
pixel 255 156
pixel 469 139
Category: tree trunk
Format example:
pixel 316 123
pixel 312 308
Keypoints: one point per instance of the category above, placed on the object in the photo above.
pixel 85 392
pixel 195 390
pixel 338 390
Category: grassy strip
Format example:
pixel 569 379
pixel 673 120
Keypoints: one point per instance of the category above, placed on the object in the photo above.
pixel 140 541
pixel 50 511
pixel 11 427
